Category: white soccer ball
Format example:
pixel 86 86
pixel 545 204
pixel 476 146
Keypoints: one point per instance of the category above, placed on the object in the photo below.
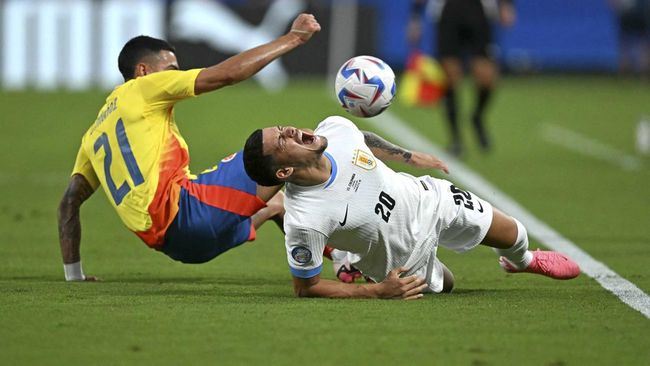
pixel 365 86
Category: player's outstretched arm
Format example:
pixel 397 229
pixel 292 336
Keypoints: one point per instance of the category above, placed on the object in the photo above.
pixel 393 287
pixel 387 151
pixel 246 64
pixel 77 192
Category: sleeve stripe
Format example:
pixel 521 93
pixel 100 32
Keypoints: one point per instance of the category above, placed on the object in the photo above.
pixel 306 273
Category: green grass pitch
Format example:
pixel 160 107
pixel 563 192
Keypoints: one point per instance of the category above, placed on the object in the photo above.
pixel 240 308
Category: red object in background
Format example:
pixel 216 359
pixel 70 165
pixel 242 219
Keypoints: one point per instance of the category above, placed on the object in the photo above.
pixel 423 82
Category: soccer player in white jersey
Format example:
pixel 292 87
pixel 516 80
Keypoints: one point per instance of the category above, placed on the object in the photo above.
pixel 339 192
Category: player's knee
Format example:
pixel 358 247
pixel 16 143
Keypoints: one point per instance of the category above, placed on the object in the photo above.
pixel 448 280
pixel 485 78
pixel 454 78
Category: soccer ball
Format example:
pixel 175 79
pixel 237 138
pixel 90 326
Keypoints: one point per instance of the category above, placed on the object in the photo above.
pixel 365 86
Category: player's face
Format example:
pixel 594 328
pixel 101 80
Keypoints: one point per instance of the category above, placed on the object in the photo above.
pixel 290 146
pixel 164 60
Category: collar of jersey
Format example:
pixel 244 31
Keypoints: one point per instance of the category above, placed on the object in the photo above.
pixel 334 169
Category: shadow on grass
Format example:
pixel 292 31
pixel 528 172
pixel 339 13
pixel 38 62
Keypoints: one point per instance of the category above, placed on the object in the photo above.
pixel 479 291
pixel 34 278
pixel 192 287
pixel 231 280
pixel 234 289
pixel 217 280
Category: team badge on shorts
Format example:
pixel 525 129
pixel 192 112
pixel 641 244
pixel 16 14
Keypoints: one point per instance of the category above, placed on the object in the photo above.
pixel 301 255
pixel 228 158
pixel 364 160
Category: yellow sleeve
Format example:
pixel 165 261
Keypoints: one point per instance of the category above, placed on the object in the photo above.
pixel 83 166
pixel 168 86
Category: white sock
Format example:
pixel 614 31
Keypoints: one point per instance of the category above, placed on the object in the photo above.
pixel 518 254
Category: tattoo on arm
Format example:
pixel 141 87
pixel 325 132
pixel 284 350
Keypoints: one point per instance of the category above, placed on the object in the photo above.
pixel 375 143
pixel 77 192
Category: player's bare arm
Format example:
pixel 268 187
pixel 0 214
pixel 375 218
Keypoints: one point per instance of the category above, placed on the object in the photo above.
pixel 244 65
pixel 78 191
pixel 393 287
pixel 387 151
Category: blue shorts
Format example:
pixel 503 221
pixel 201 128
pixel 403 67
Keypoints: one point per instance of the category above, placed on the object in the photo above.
pixel 214 213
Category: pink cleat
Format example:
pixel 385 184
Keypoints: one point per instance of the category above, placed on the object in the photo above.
pixel 547 263
pixel 348 273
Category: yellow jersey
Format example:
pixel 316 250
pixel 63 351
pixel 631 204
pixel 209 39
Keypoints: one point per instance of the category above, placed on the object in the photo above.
pixel 136 153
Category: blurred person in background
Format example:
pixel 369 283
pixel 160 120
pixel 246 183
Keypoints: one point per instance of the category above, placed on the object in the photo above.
pixel 134 150
pixel 633 35
pixel 464 34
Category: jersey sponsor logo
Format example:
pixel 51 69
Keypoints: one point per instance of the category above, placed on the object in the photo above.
pixel 301 255
pixel 345 218
pixel 364 160
pixel 353 183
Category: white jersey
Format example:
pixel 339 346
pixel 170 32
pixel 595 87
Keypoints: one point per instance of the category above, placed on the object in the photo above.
pixel 384 218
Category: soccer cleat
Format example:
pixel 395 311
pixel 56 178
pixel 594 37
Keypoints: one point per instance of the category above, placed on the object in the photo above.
pixel 547 263
pixel 347 273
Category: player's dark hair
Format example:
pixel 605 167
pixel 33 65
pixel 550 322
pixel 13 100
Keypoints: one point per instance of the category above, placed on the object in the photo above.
pixel 136 49
pixel 261 168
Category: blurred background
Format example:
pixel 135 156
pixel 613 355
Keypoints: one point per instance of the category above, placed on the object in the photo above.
pixel 48 44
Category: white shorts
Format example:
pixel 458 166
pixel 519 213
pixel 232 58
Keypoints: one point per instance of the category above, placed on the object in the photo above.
pixel 464 218
pixel 432 272
pixel 462 221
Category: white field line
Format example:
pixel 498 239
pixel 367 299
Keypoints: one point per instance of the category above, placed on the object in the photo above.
pixel 625 290
pixel 589 147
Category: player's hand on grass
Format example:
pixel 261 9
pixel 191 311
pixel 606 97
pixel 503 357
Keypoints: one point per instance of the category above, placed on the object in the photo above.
pixel 396 287
pixel 305 26
pixel 426 161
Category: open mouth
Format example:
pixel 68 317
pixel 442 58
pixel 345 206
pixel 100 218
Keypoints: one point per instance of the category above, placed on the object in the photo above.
pixel 307 138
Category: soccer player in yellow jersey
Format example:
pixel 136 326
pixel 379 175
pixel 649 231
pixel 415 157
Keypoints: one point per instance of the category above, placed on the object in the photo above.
pixel 135 152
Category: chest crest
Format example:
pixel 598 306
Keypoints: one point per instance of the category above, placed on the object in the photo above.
pixel 364 160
